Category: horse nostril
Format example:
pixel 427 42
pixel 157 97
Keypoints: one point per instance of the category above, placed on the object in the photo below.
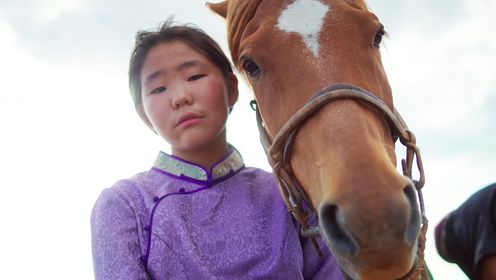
pixel 413 226
pixel 332 226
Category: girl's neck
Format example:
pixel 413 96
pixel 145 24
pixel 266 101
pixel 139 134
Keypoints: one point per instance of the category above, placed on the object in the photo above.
pixel 205 156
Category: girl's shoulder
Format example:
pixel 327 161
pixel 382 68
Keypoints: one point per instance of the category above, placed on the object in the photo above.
pixel 129 193
pixel 128 187
pixel 141 184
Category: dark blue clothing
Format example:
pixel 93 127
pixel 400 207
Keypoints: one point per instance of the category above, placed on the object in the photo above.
pixel 468 234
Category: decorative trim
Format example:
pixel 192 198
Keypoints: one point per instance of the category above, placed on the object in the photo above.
pixel 191 172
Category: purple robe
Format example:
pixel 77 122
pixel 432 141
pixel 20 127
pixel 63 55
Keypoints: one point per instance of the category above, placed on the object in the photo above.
pixel 181 221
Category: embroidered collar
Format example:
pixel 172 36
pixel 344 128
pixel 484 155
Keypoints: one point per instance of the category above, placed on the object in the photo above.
pixel 189 171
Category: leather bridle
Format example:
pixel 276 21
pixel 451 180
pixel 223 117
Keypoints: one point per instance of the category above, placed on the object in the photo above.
pixel 279 152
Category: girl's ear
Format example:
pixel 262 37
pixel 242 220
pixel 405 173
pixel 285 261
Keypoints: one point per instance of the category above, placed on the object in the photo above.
pixel 233 90
pixel 218 8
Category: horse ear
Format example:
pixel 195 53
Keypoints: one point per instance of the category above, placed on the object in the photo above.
pixel 219 8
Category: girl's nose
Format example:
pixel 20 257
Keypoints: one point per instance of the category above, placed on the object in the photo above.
pixel 182 97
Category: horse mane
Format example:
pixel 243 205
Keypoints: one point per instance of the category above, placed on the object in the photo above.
pixel 240 12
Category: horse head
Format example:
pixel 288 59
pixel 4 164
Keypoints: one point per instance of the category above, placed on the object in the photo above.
pixel 342 152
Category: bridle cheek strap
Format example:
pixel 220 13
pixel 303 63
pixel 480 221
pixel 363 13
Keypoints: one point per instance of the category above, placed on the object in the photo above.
pixel 278 152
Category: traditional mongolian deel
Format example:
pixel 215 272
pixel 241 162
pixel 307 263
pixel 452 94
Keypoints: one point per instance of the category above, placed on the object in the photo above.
pixel 181 221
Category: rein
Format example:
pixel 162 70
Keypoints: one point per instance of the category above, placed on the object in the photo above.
pixel 279 152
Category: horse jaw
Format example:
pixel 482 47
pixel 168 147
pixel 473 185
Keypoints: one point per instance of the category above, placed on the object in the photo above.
pixel 218 8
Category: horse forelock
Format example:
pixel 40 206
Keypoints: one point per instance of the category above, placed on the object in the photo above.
pixel 239 13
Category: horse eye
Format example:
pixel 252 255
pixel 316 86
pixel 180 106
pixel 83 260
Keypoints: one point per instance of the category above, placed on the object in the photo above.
pixel 250 67
pixel 378 37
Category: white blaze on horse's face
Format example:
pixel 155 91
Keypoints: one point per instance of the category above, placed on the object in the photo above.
pixel 305 17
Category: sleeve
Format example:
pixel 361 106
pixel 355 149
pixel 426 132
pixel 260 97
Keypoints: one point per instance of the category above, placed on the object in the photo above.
pixel 468 233
pixel 115 241
pixel 316 267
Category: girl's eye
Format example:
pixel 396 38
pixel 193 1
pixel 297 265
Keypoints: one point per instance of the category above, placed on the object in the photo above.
pixel 250 67
pixel 196 77
pixel 378 37
pixel 158 90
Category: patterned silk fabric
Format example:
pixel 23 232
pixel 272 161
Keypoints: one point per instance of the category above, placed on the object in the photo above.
pixel 181 221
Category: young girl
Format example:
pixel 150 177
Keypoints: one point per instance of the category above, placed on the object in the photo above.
pixel 198 213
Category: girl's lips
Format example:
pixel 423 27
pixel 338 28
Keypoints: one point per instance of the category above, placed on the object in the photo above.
pixel 188 119
pixel 189 122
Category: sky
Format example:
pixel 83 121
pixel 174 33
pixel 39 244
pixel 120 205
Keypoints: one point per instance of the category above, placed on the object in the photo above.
pixel 69 130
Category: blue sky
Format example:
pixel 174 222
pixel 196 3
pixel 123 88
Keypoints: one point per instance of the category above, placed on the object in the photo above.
pixel 69 129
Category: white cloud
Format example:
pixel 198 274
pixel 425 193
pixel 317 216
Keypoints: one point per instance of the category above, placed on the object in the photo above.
pixel 445 75
pixel 51 10
pixel 9 37
pixel 22 74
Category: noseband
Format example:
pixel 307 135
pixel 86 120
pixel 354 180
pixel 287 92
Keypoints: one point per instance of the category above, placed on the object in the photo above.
pixel 279 152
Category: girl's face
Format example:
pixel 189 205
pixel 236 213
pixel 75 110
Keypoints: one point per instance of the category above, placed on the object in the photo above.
pixel 186 97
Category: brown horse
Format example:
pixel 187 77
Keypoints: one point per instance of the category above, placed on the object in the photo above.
pixel 329 126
